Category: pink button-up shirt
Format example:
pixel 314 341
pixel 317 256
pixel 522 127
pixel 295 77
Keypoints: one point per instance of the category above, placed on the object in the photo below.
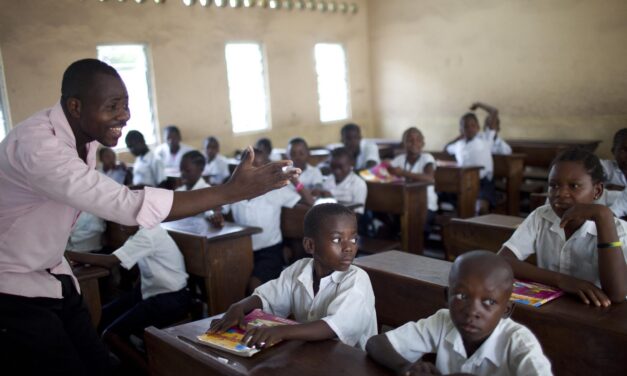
pixel 43 187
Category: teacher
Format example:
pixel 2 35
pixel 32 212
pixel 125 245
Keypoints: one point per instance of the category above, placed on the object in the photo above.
pixel 47 177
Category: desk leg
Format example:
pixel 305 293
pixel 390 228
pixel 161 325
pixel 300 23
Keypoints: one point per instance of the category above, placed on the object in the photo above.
pixel 91 295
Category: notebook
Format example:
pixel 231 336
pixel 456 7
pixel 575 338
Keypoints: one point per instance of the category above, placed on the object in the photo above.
pixel 533 293
pixel 229 341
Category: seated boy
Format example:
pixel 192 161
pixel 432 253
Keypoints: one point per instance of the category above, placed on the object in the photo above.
pixel 298 152
pixel 491 128
pixel 163 298
pixel 148 169
pixel 474 336
pixel 110 167
pixel 470 150
pixel 171 151
pixel 86 235
pixel 365 153
pixel 329 297
pixel 344 184
pixel 217 168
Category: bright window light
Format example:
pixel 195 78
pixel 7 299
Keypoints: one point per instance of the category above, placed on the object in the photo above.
pixel 247 87
pixel 131 62
pixel 4 106
pixel 332 82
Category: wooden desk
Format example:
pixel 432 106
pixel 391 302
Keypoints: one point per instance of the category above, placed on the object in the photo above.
pixel 409 200
pixel 578 339
pixel 170 354
pixel 87 277
pixel 540 153
pixel 487 232
pixel 463 181
pixel 222 257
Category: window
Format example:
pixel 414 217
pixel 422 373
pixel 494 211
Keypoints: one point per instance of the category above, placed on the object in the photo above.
pixel 131 62
pixel 4 105
pixel 247 87
pixel 332 81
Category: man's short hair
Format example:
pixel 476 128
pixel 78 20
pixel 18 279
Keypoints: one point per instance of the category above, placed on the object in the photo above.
pixel 79 77
pixel 350 127
pixel 319 214
pixel 134 136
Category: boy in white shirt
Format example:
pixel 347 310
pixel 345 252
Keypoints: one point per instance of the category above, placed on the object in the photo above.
pixel 86 235
pixel 171 151
pixel 474 336
pixel 344 184
pixel 298 152
pixel 163 298
pixel 110 167
pixel 615 170
pixel 470 150
pixel 491 128
pixel 329 296
pixel 148 170
pixel 364 153
pixel 217 167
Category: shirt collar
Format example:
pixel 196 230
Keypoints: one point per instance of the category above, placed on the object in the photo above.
pixel 487 350
pixel 588 227
pixel 63 131
pixel 306 277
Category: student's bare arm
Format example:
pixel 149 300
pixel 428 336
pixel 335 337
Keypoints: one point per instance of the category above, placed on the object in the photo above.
pixel 587 291
pixel 428 176
pixel 268 336
pixel 107 261
pixel 235 314
pixel 380 349
pixel 245 183
pixel 612 268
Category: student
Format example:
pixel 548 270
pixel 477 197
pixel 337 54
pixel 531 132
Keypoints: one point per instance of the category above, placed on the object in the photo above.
pixel 110 167
pixel 365 153
pixel 47 176
pixel 473 336
pixel 265 145
pixel 148 170
pixel 86 235
pixel 162 299
pixel 192 165
pixel 330 297
pixel 415 165
pixel 171 151
pixel 217 168
pixel 344 184
pixel 470 150
pixel 491 128
pixel 298 153
pixel 616 170
pixel 580 246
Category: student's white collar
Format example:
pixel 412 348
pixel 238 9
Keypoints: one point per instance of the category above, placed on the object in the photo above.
pixel 487 350
pixel 306 277
pixel 588 227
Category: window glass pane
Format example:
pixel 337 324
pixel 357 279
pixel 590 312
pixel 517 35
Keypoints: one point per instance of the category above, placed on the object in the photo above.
pixel 332 81
pixel 4 106
pixel 247 87
pixel 131 62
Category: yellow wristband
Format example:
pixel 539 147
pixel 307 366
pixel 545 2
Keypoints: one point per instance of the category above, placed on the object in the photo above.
pixel 609 245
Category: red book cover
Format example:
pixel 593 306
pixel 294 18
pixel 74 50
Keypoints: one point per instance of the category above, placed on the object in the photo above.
pixel 532 293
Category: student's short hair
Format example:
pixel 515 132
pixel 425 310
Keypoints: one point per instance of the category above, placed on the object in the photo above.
pixel 590 162
pixel 134 136
pixel 410 130
pixel 350 127
pixel 468 115
pixel 264 143
pixel 297 140
pixel 211 139
pixel 103 150
pixel 342 152
pixel 619 137
pixel 172 129
pixel 78 78
pixel 196 158
pixel 319 214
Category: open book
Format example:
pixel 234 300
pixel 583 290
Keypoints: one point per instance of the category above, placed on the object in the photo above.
pixel 533 293
pixel 229 341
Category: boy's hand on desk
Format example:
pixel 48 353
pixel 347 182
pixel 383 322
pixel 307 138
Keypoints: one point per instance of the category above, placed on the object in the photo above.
pixel 234 316
pixel 420 368
pixel 397 171
pixel 587 292
pixel 217 219
pixel 262 337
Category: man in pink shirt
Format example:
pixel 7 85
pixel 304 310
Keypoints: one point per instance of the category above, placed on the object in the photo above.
pixel 47 177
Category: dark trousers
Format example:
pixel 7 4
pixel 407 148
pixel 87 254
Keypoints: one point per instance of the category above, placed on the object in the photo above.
pixel 51 336
pixel 130 314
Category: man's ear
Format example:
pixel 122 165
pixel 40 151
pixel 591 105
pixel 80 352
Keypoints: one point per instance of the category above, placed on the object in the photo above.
pixel 73 106
pixel 509 310
pixel 309 245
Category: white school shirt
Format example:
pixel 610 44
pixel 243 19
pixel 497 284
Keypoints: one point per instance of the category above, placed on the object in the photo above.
pixel 345 300
pixel 264 211
pixel 419 168
pixel 540 234
pixel 614 175
pixel 161 264
pixel 200 184
pixel 475 152
pixel 217 169
pixel 352 189
pixel 311 177
pixel 118 174
pixel 511 349
pixel 368 151
pixel 498 145
pixel 171 161
pixel 148 170
pixel 86 234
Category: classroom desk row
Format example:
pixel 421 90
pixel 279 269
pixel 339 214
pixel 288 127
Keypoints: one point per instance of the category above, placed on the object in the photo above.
pixel 578 339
